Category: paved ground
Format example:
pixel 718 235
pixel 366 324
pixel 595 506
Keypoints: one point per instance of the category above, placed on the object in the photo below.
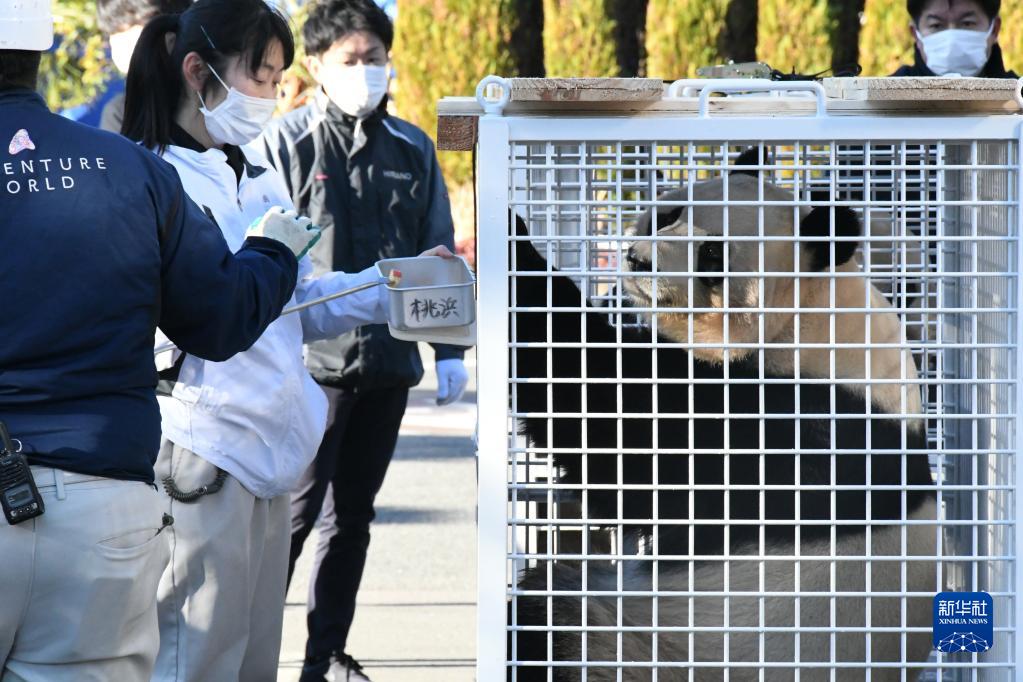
pixel 416 615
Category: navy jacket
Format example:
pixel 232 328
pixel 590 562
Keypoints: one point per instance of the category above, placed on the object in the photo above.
pixel 383 195
pixel 98 245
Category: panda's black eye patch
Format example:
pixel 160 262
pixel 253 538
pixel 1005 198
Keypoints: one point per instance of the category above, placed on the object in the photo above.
pixel 711 259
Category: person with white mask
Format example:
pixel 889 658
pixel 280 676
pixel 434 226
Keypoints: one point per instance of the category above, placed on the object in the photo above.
pixel 122 21
pixel 955 38
pixel 237 435
pixel 375 178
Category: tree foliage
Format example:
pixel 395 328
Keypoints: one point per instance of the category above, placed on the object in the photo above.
pixel 683 36
pixel 885 41
pixel 445 47
pixel 795 34
pixel 579 39
pixel 1011 36
pixel 77 69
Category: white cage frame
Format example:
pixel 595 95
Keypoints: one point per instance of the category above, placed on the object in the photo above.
pixel 502 139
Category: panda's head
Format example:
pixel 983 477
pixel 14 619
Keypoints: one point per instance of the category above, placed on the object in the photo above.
pixel 754 267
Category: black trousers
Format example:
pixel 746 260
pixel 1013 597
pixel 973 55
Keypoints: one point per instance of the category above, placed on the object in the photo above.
pixel 343 481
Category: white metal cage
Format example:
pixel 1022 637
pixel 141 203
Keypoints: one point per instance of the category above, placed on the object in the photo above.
pixel 600 499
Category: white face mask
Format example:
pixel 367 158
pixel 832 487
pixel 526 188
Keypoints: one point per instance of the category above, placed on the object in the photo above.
pixel 956 50
pixel 240 118
pixel 356 90
pixel 121 47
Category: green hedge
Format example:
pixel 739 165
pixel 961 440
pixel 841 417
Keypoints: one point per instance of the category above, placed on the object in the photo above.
pixel 1011 37
pixel 578 39
pixel 682 36
pixel 78 69
pixel 885 40
pixel 795 34
pixel 444 47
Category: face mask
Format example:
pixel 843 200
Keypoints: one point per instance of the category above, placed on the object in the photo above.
pixel 956 50
pixel 356 90
pixel 239 119
pixel 121 47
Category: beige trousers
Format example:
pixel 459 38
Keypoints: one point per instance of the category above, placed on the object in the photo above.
pixel 78 585
pixel 221 599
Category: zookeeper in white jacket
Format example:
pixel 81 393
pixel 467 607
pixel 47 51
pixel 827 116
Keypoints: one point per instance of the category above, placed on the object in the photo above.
pixel 236 434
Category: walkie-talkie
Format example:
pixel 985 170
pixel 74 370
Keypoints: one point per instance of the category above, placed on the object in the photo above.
pixel 18 493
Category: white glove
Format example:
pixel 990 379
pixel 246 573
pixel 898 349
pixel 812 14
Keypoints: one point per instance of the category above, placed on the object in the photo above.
pixel 451 380
pixel 294 231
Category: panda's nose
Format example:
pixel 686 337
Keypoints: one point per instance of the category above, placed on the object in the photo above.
pixel 636 262
pixel 710 258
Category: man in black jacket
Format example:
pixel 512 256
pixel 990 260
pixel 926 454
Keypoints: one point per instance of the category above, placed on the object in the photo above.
pixel 955 37
pixel 374 178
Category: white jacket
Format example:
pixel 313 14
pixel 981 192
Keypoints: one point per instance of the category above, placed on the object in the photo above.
pixel 259 416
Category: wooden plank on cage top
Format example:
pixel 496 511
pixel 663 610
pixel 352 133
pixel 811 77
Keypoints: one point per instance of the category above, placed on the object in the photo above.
pixel 921 89
pixel 457 116
pixel 459 107
pixel 457 132
pixel 586 89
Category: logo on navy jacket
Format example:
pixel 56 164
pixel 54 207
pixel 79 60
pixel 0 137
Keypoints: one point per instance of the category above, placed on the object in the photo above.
pixel 398 175
pixel 30 174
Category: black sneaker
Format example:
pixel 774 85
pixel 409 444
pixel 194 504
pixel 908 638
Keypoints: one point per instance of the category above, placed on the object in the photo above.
pixel 337 668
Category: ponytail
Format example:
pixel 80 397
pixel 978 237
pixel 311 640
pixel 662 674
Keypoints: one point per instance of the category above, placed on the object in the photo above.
pixel 153 86
pixel 215 30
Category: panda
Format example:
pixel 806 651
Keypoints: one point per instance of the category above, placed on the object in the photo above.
pixel 691 379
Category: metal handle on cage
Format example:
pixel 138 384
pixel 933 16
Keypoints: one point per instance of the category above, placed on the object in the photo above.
pixel 706 86
pixel 493 106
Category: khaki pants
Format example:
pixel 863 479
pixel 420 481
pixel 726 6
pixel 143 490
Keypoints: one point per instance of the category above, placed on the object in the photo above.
pixel 78 585
pixel 221 599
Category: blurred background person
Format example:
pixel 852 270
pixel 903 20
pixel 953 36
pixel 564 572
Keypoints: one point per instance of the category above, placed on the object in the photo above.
pixel 122 21
pixel 955 37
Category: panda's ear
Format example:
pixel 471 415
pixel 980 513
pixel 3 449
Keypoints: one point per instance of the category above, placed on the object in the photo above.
pixel 520 225
pixel 666 215
pixel 750 157
pixel 818 224
pixel 526 256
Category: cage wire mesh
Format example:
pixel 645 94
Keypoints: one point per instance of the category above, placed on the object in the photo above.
pixel 616 565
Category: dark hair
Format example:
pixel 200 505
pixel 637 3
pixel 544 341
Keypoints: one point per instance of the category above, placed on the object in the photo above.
pixel 154 86
pixel 118 15
pixel 331 20
pixel 916 7
pixel 19 69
